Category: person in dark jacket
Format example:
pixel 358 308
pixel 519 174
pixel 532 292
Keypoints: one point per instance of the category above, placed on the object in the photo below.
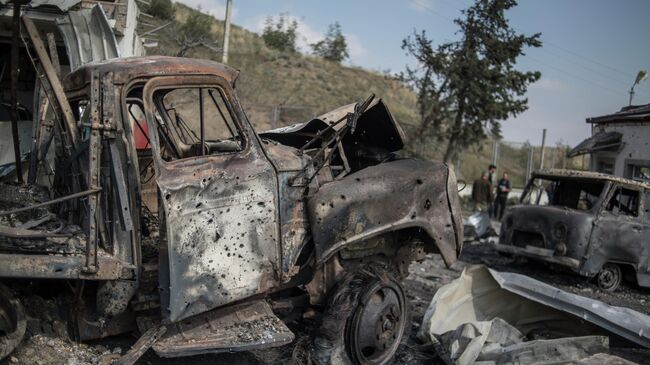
pixel 492 171
pixel 503 188
pixel 482 193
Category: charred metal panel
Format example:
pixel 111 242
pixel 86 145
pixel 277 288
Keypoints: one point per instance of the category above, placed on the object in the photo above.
pixel 294 223
pixel 382 198
pixel 62 267
pixel 221 232
pixel 220 214
pixel 375 127
pixel 127 69
pixel 617 238
pixel 559 230
pixel 244 326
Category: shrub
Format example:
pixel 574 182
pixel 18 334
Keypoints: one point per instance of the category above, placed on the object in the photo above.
pixel 333 47
pixel 281 34
pixel 161 9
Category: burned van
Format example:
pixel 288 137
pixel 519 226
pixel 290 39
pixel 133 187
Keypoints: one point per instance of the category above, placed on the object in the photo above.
pixel 595 224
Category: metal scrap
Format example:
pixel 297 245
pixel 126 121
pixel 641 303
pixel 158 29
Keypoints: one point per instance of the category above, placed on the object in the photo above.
pixel 497 316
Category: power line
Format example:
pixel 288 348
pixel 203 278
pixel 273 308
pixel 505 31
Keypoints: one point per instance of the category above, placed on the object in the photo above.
pixel 589 68
pixel 427 7
pixel 588 59
pixel 575 54
pixel 575 76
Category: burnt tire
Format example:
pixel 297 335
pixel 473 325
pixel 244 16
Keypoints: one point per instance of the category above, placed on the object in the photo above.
pixel 610 277
pixel 12 322
pixel 365 320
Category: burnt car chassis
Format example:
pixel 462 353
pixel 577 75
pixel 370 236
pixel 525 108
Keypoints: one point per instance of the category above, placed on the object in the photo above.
pixel 594 224
pixel 201 243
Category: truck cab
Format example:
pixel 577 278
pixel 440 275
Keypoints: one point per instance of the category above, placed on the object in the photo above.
pixel 195 225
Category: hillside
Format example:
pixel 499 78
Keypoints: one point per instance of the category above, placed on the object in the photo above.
pixel 300 87
pixel 304 86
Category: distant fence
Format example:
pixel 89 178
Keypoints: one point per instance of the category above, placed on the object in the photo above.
pixel 519 159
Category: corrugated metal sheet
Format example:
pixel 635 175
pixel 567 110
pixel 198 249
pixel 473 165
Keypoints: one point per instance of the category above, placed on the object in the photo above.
pixel 88 36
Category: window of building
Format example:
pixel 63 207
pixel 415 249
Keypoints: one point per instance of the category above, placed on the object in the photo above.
pixel 606 167
pixel 637 172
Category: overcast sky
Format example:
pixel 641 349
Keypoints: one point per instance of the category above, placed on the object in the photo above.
pixel 592 49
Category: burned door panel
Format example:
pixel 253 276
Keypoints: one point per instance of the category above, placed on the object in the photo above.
pixel 219 207
pixel 617 233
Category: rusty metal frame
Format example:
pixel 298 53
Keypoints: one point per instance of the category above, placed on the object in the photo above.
pixel 94 158
pixel 53 201
pixel 47 74
pixel 62 267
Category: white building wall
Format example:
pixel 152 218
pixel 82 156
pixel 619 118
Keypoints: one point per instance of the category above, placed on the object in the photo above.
pixel 635 148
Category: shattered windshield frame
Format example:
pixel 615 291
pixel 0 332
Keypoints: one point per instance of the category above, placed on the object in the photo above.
pixel 575 194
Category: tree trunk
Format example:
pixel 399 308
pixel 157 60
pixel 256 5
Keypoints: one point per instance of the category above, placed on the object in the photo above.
pixel 452 146
pixel 452 150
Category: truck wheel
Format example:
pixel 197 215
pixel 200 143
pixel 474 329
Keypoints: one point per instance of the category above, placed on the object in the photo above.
pixel 365 320
pixel 609 277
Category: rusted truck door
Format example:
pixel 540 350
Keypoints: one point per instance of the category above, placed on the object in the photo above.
pixel 218 194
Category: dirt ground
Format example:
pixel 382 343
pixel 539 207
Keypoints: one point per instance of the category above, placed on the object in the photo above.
pixel 44 348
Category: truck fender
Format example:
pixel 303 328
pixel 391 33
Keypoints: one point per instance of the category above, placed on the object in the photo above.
pixel 388 197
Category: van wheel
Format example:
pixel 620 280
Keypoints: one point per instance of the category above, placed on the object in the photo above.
pixel 365 320
pixel 610 276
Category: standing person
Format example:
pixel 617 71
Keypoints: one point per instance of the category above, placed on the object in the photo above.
pixel 482 193
pixel 503 188
pixel 492 169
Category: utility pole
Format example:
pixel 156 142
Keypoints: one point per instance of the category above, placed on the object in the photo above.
pixel 226 33
pixel 529 164
pixel 15 34
pixel 541 159
pixel 495 152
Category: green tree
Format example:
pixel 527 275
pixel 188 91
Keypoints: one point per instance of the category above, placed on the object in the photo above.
pixel 334 46
pixel 163 9
pixel 281 34
pixel 467 87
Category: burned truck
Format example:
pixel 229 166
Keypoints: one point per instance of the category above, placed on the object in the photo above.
pixel 154 207
pixel 594 224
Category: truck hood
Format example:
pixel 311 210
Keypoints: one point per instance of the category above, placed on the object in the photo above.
pixel 376 127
